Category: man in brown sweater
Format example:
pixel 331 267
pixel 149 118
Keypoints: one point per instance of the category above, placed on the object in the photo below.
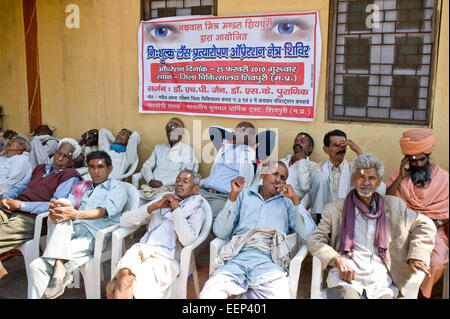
pixel 21 204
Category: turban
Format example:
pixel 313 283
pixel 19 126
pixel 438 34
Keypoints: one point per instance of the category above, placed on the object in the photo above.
pixel 177 121
pixel 417 141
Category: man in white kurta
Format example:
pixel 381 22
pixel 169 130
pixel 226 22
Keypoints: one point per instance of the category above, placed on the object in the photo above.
pixel 122 149
pixel 15 165
pixel 167 161
pixel 43 145
pixel 148 268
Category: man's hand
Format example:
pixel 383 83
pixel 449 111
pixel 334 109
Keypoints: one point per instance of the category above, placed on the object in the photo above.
pixel 237 185
pixel 155 183
pixel 346 272
pixel 10 205
pixel 404 166
pixel 61 211
pixel 353 146
pixel 416 265
pixel 9 134
pixel 162 203
pixel 174 200
pixel 287 191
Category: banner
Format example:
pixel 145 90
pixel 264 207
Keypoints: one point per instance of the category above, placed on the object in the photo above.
pixel 257 66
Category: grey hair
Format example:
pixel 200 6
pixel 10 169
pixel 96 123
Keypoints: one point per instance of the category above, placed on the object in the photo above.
pixel 72 142
pixel 197 176
pixel 366 161
pixel 23 140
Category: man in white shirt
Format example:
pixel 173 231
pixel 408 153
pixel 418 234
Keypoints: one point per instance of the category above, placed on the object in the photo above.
pixel 148 268
pixel 43 145
pixel 122 149
pixel 15 165
pixel 167 161
pixel 300 166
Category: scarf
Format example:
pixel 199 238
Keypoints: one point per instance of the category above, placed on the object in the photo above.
pixel 118 148
pixel 164 235
pixel 245 156
pixel 78 191
pixel 347 243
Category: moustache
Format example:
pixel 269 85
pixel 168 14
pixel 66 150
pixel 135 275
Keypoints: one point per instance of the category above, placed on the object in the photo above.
pixel 340 152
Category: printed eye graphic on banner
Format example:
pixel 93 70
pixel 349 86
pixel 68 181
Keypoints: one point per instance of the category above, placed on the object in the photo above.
pixel 162 33
pixel 285 29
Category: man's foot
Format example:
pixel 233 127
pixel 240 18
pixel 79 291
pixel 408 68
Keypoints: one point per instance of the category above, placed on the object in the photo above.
pixel 57 286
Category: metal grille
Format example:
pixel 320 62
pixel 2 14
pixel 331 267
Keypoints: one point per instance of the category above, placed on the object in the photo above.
pixel 152 9
pixel 380 60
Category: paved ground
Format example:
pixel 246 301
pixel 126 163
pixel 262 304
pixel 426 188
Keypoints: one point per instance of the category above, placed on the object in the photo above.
pixel 14 285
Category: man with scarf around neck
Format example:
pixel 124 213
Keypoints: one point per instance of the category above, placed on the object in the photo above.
pixel 122 149
pixel 148 268
pixel 72 227
pixel 424 188
pixel 255 261
pixel 331 179
pixel 372 243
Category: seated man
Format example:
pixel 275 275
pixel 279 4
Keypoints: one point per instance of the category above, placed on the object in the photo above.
pixel 43 145
pixel 148 268
pixel 380 244
pixel 167 160
pixel 237 156
pixel 72 226
pixel 331 179
pixel 255 218
pixel 122 149
pixel 300 167
pixel 31 196
pixel 88 143
pixel 424 188
pixel 15 165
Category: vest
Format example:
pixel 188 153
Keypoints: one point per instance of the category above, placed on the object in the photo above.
pixel 41 189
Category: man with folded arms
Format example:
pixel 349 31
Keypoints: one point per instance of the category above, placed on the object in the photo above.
pixel 424 187
pixel 372 243
pixel 72 226
pixel 148 268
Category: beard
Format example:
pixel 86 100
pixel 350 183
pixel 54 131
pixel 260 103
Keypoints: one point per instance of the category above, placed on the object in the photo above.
pixel 420 175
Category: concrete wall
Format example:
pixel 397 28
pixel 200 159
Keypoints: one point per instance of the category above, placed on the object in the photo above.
pixel 89 78
pixel 13 79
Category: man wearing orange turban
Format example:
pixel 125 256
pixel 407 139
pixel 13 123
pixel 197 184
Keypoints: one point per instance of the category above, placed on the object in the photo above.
pixel 424 188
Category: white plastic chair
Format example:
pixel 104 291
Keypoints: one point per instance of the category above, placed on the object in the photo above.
pixel 92 271
pixel 30 249
pixel 294 266
pixel 130 171
pixel 187 257
pixel 319 292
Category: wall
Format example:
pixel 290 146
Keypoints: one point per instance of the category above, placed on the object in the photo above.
pixel 89 78
pixel 13 79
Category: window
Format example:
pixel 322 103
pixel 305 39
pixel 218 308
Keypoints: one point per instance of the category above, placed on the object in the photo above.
pixel 152 9
pixel 380 60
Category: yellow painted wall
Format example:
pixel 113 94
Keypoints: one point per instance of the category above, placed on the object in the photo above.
pixel 89 78
pixel 13 77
